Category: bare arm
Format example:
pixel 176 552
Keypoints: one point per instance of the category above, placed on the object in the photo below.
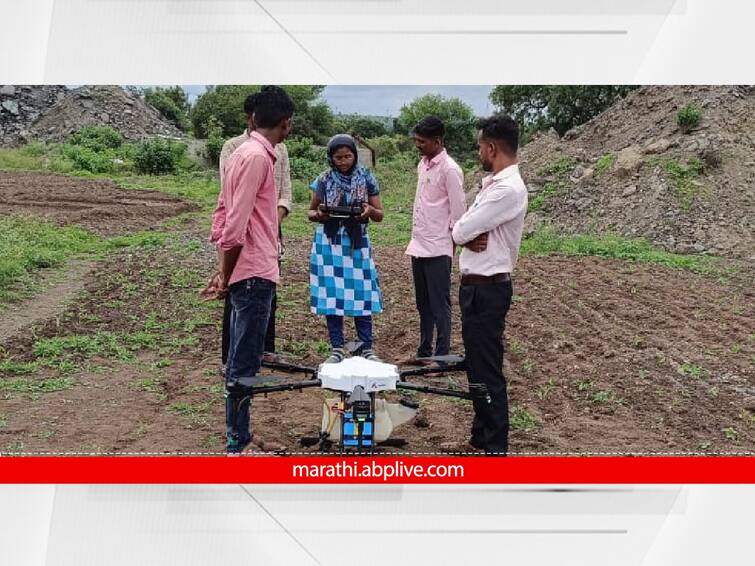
pixel 314 214
pixel 372 209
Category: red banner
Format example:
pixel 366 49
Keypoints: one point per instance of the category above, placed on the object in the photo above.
pixel 385 470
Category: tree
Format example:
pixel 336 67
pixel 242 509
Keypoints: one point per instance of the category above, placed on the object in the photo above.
pixel 171 102
pixel 457 116
pixel 312 118
pixel 559 107
pixel 364 126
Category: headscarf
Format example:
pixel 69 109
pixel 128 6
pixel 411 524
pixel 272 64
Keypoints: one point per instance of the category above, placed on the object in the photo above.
pixel 345 189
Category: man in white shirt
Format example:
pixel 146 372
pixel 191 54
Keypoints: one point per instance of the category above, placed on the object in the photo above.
pixel 490 231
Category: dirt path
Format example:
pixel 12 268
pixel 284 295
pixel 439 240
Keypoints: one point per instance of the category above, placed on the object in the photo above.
pixel 56 290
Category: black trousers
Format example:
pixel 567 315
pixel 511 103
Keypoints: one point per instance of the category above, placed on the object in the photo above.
pixel 225 340
pixel 432 290
pixel 483 320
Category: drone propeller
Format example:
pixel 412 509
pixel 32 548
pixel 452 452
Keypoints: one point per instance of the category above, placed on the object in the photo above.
pixel 447 359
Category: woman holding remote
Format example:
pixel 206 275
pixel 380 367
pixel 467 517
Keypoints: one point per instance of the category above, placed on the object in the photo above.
pixel 343 280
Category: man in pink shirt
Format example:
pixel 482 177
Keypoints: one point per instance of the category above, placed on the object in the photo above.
pixel 248 254
pixel 438 204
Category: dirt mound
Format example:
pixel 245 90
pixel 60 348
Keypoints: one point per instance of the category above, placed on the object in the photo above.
pixel 631 170
pixel 20 106
pixel 102 106
pixel 99 206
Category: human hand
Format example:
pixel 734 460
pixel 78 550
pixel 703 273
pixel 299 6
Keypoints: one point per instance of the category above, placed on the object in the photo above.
pixel 282 213
pixel 216 287
pixel 367 210
pixel 479 244
pixel 318 215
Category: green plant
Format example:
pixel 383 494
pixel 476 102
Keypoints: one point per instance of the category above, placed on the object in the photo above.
pixel 548 241
pixel 690 370
pixel 559 168
pixel 96 138
pixel 544 390
pixel 689 116
pixel 158 156
pixel 605 163
pixel 731 433
pixel 537 203
pixel 521 419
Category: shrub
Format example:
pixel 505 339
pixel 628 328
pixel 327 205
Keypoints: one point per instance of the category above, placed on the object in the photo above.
pixel 388 147
pixel 158 156
pixel 215 140
pixel 689 116
pixel 84 158
pixel 307 160
pixel 96 138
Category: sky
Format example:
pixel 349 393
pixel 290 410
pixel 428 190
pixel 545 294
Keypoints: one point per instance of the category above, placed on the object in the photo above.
pixel 386 100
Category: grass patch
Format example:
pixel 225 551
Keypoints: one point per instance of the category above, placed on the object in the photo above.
pixel 548 241
pixel 544 390
pixel 521 419
pixel 684 179
pixel 30 244
pixel 558 168
pixel 549 190
pixel 557 171
pixel 605 163
pixel 691 370
pixel 18 368
pixel 22 385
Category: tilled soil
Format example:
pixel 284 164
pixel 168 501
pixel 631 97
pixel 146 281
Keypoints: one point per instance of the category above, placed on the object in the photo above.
pixel 602 356
pixel 96 205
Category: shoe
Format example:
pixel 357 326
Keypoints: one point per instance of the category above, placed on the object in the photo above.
pixel 370 355
pixel 336 356
pixel 233 447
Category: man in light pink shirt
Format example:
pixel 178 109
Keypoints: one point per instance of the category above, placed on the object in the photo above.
pixel 248 254
pixel 438 204
pixel 490 231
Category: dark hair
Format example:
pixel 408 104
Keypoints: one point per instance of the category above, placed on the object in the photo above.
pixel 430 127
pixel 342 140
pixel 273 104
pixel 250 103
pixel 503 130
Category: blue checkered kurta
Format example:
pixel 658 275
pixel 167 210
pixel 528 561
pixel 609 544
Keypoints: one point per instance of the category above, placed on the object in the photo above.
pixel 343 281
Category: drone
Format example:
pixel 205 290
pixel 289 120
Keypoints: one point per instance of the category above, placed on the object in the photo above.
pixel 358 419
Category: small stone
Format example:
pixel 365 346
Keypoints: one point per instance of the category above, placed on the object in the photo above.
pixel 658 146
pixel 105 117
pixel 11 106
pixel 629 191
pixel 628 161
pixel 8 90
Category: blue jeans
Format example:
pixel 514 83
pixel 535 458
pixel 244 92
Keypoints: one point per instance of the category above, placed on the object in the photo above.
pixel 250 300
pixel 364 330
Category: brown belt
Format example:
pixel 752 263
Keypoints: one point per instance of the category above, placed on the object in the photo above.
pixel 485 279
